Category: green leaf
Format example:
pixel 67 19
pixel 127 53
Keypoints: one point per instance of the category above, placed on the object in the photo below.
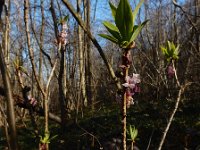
pixel 171 51
pixel 124 19
pixel 113 9
pixel 108 37
pixel 53 137
pixel 136 10
pixel 169 45
pixel 119 19
pixel 112 29
pixel 123 44
pixel 65 19
pixel 128 18
pixel 131 132
pixel 137 31
pixel 176 52
pixel 163 49
pixel 135 134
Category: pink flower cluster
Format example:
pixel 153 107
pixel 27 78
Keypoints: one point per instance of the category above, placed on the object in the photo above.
pixel 63 35
pixel 170 71
pixel 132 87
pixel 32 101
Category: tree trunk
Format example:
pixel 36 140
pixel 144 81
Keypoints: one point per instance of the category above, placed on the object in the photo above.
pixel 61 89
pixel 41 42
pixel 89 59
pixel 10 104
pixel 83 95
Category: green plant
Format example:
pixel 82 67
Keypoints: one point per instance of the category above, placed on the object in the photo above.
pixel 18 66
pixel 132 133
pixel 170 51
pixel 63 20
pixel 124 32
pixel 47 139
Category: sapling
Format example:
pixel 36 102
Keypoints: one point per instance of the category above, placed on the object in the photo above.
pixel 171 53
pixel 45 140
pixel 132 133
pixel 123 33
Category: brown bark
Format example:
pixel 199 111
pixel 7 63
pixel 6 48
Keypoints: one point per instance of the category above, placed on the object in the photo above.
pixel 89 59
pixel 30 50
pixel 10 104
pixel 81 59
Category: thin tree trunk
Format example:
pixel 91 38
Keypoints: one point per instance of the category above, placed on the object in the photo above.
pixel 46 100
pixel 85 55
pixel 10 104
pixel 89 59
pixel 83 96
pixel 7 33
pixel 4 121
pixel 61 89
pixel 41 41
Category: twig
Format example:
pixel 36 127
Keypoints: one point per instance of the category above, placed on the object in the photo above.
pixel 150 139
pixel 86 132
pixel 181 91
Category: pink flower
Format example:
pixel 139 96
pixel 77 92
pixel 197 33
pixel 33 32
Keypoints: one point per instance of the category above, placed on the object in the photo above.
pixel 42 146
pixel 137 88
pixel 32 101
pixel 63 34
pixel 64 26
pixel 132 81
pixel 170 71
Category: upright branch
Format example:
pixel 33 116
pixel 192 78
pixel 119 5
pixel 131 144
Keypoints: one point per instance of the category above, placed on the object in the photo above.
pixel 171 53
pixel 123 33
pixel 125 70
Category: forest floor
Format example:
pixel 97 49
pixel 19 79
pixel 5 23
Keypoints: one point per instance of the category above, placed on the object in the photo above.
pixel 103 127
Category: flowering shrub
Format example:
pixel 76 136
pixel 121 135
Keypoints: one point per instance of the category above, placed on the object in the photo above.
pixel 123 33
pixel 62 36
pixel 171 53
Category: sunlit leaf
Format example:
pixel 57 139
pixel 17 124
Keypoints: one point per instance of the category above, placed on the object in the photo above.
pixel 124 19
pixel 113 9
pixel 112 29
pixel 137 31
pixel 171 51
pixel 108 37
pixel 119 19
pixel 135 12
